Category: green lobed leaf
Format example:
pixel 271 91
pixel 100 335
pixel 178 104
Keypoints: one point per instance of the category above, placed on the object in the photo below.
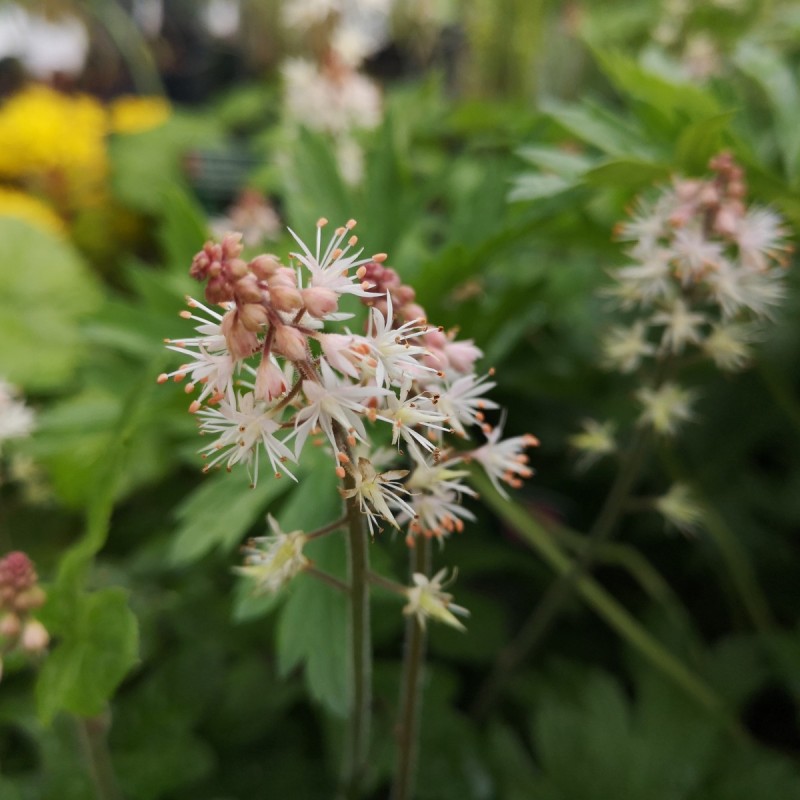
pixel 87 665
pixel 47 290
pixel 312 630
pixel 220 512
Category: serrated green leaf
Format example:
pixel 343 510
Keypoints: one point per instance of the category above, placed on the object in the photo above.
pixel 47 290
pixel 538 186
pixel 313 625
pixel 567 165
pixel 629 173
pixel 597 126
pixel 87 665
pixel 220 512
pixel 675 98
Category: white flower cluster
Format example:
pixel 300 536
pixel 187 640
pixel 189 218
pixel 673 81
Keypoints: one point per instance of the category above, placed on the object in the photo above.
pixel 706 267
pixel 17 420
pixel 707 271
pixel 271 377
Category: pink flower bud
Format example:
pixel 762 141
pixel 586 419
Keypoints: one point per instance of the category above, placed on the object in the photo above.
pixel 265 266
pixel 285 298
pixel 10 626
pixel 290 342
pixel 320 301
pixel 462 355
pixel 270 380
pixel 253 316
pixel 247 290
pixel 241 342
pixel 35 637
pixel 30 598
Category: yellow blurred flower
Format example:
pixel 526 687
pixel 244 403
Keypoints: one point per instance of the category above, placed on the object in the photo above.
pixel 131 114
pixel 20 205
pixel 55 142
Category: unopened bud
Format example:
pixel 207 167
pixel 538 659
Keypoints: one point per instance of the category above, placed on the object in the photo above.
pixel 247 290
pixel 253 316
pixel 264 266
pixel 10 626
pixel 320 301
pixel 30 598
pixel 35 637
pixel 290 342
pixel 285 298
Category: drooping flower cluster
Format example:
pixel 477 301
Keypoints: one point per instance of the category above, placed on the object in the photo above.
pixel 20 595
pixel 272 370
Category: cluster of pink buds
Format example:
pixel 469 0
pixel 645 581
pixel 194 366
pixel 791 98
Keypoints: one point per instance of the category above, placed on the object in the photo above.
pixel 272 368
pixel 20 595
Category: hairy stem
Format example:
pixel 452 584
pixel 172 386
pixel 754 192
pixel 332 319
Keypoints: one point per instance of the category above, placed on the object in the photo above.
pixel 539 622
pixel 410 707
pixel 357 745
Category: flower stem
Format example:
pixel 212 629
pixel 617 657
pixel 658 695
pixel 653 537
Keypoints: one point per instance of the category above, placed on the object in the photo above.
pixel 539 622
pixel 408 718
pixel 92 732
pixel 357 745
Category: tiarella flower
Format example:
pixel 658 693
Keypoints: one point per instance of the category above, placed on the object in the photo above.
pixel 406 414
pixel 680 509
pixel 242 430
pixel 272 561
pixel 462 401
pixel 437 500
pixel 594 441
pixel 665 408
pixel 505 460
pixel 330 268
pixel 388 354
pixel 375 491
pixel 624 348
pixel 761 238
pixel 330 401
pixel 694 254
pixel 729 345
pixel 428 600
pixel 647 281
pixel 436 514
pixel 681 326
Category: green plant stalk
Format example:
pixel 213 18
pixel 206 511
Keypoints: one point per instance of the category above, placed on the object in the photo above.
pixel 538 623
pixel 92 733
pixel 131 44
pixel 410 705
pixel 604 605
pixel 357 744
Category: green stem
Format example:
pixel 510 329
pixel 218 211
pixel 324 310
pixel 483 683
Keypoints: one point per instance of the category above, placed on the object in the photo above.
pixel 357 745
pixel 538 623
pixel 131 45
pixel 410 707
pixel 92 733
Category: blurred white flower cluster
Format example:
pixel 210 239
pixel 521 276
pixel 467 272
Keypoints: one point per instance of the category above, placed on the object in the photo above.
pixel 708 272
pixel 16 418
pixel 706 269
pixel 272 378
pixel 327 93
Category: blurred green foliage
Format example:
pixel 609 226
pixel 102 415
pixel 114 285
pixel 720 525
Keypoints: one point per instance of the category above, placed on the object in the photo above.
pixel 674 671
